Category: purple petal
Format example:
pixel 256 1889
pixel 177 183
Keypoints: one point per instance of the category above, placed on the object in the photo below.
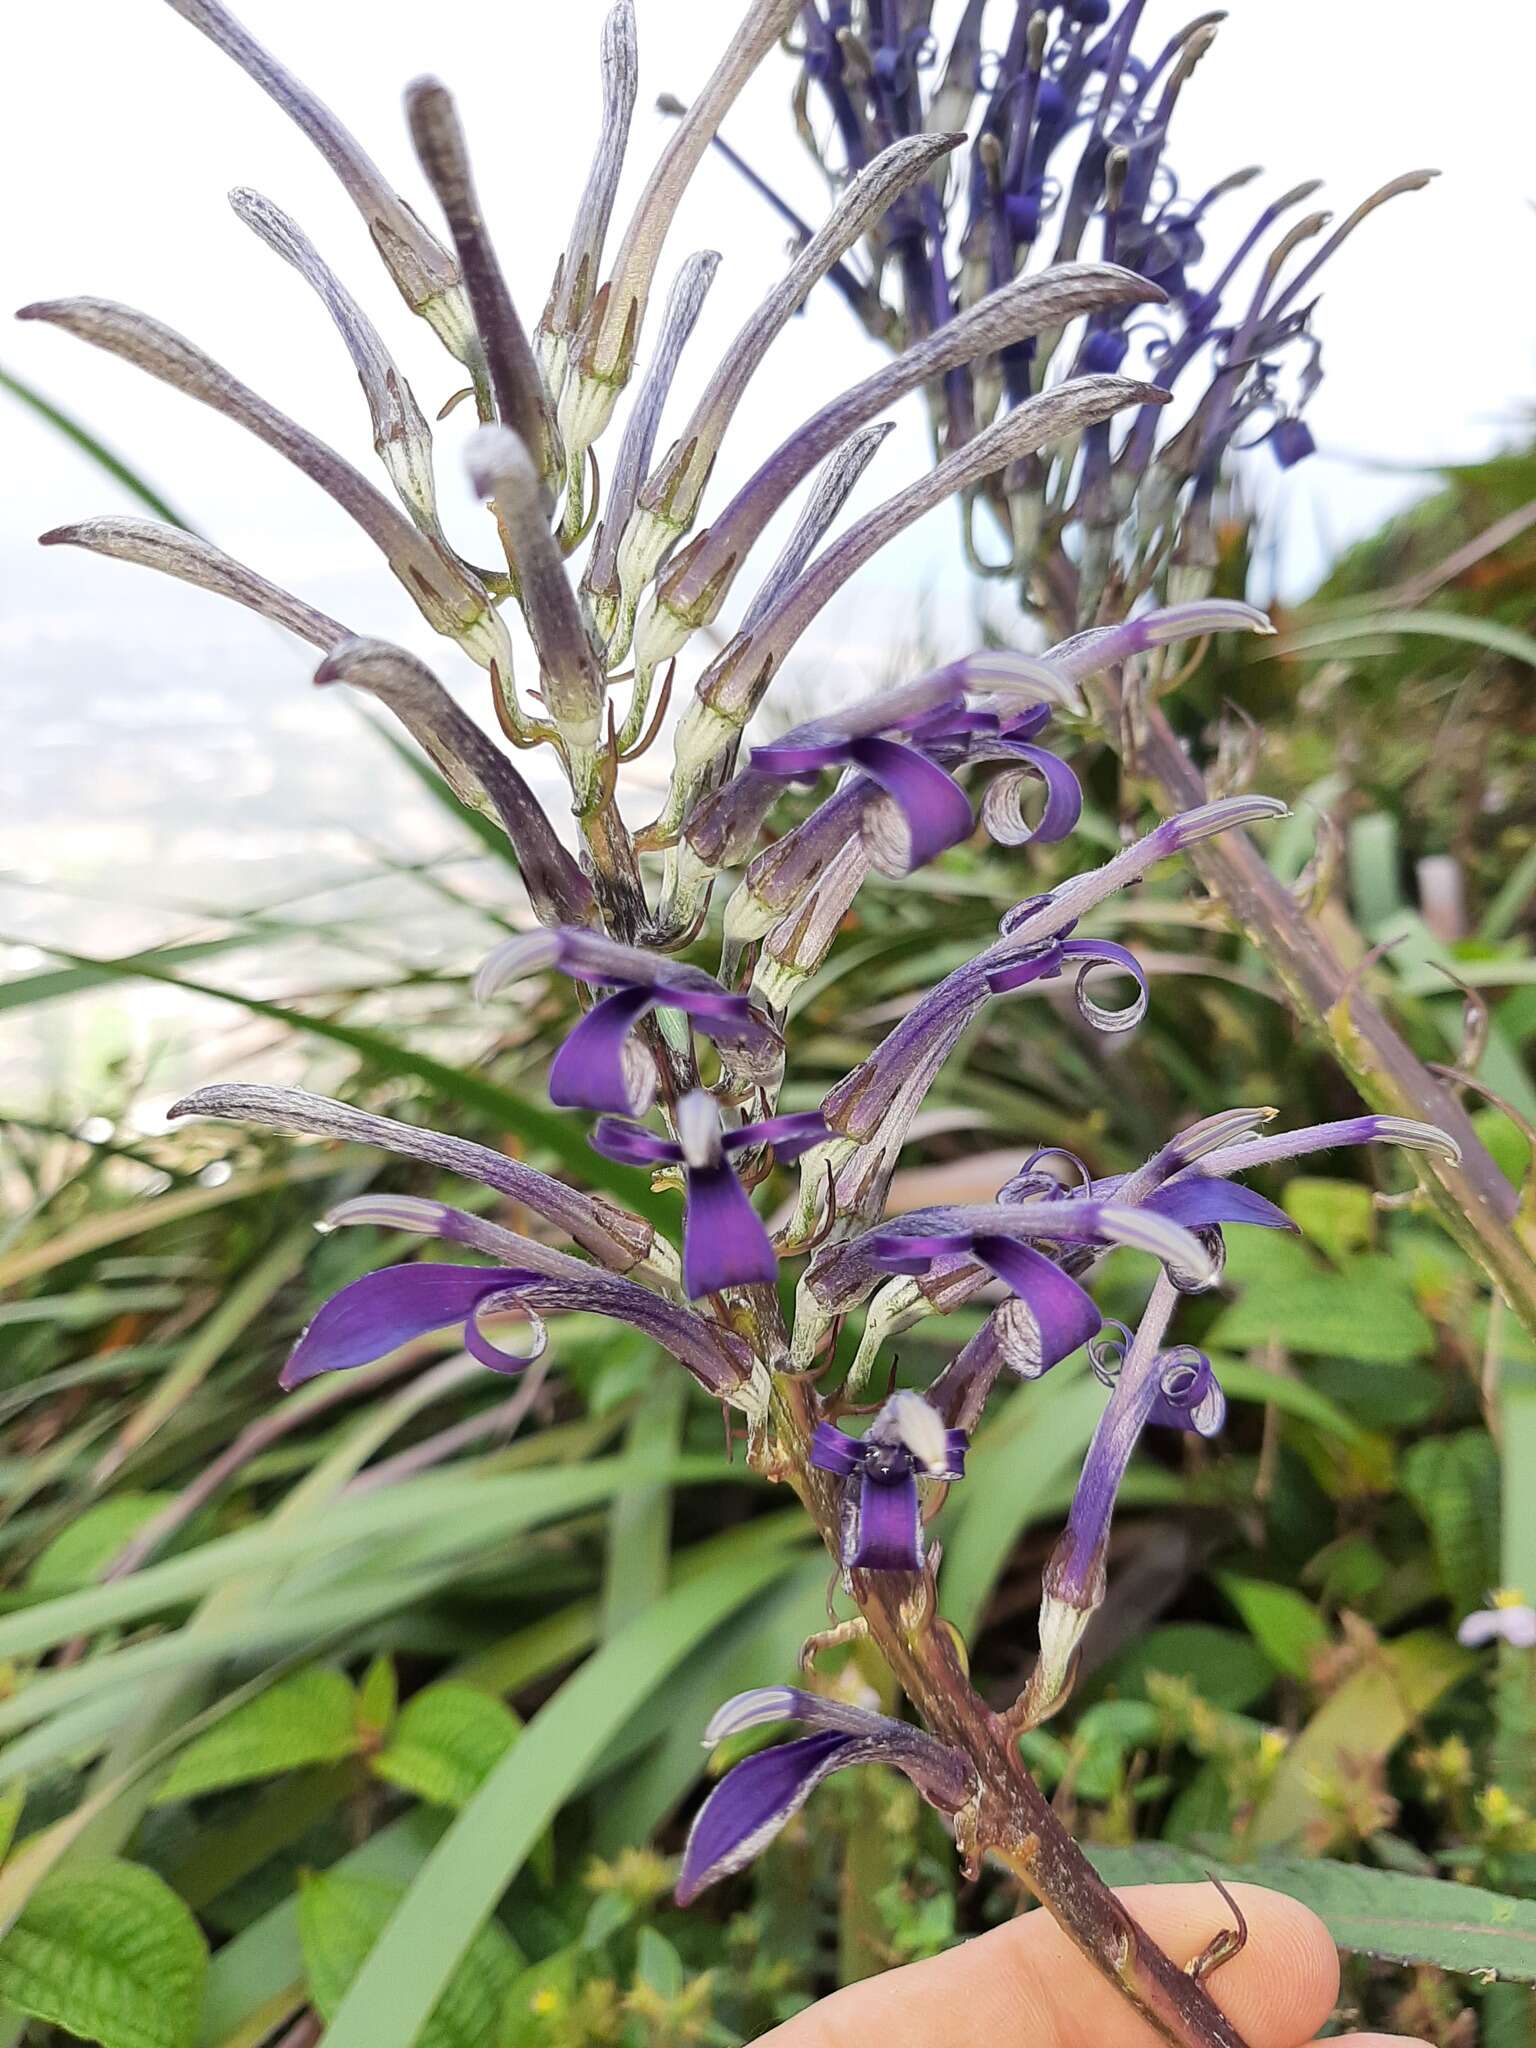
pixel 1200 1201
pixel 1102 953
pixel 789 761
pixel 1038 964
pixel 832 1451
pixel 788 1135
pixel 631 1145
pixel 753 1802
pixel 1063 1314
pixel 889 1536
pixel 479 1346
pixel 937 810
pixel 1188 1395
pixel 725 1243
pixel 597 1067
pixel 1002 807
pixel 914 1255
pixel 384 1310
pixel 957 1442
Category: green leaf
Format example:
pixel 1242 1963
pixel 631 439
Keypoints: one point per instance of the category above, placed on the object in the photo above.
pixel 1365 1719
pixel 1338 1216
pixel 1284 1623
pixel 309 1718
pixel 109 1952
pixel 378 1697
pixel 1223 1666
pixel 658 1964
pixel 82 1549
pixel 446 1743
pixel 1365 1310
pixel 1371 1912
pixel 490 1840
pixel 340 1920
pixel 1453 1481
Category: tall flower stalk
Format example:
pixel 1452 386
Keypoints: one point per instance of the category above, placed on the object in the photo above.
pixel 1070 112
pixel 680 1069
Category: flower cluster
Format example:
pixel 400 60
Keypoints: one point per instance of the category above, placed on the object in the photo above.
pixel 1068 111
pixel 704 1056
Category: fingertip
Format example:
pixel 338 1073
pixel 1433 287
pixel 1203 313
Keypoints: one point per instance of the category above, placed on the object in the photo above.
pixel 1281 1986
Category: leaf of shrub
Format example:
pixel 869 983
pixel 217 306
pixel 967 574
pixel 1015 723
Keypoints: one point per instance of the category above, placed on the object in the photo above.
pixel 310 1718
pixel 1372 1912
pixel 80 1552
pixel 1223 1666
pixel 1453 1481
pixel 1366 1310
pixel 341 1918
pixel 446 1742
pixel 1284 1623
pixel 110 1953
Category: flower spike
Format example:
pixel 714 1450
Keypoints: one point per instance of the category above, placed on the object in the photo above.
pixel 556 1283
pixel 476 770
pixel 401 437
pixel 450 596
pixel 576 273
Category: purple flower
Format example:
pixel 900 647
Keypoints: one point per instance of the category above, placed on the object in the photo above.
pixel 935 808
pixel 759 1796
pixel 599 1066
pixel 1171 1389
pixel 725 1243
pixel 384 1310
pixel 882 1517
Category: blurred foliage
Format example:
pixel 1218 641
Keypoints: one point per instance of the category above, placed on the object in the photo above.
pixel 280 1678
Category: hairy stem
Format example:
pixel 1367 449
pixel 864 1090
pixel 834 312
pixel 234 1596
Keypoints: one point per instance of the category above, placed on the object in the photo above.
pixel 1014 1820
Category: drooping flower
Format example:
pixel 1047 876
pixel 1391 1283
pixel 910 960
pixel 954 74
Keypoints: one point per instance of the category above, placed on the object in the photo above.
pixel 759 1796
pixel 375 1315
pixel 1166 1388
pixel 600 1066
pixel 882 1517
pixel 725 1242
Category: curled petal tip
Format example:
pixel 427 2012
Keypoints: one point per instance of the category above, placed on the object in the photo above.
pixel 1209 819
pixel 525 954
pixel 1417 1137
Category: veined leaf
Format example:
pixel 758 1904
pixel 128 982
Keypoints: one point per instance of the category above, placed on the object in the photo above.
pixel 310 1718
pixel 1453 1481
pixel 110 1953
pixel 1284 1623
pixel 1371 1912
pixel 446 1743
